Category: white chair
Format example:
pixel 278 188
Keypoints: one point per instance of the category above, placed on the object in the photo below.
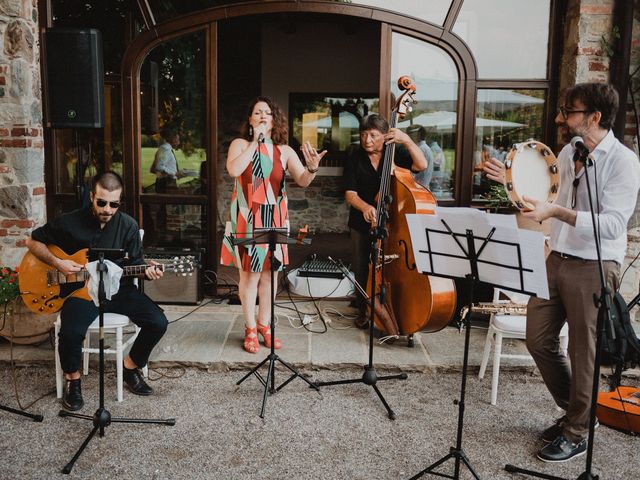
pixel 507 326
pixel 113 323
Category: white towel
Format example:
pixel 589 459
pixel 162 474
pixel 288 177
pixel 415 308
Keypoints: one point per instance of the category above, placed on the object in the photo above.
pixel 111 280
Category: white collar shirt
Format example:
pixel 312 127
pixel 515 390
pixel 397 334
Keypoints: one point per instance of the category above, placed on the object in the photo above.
pixel 615 176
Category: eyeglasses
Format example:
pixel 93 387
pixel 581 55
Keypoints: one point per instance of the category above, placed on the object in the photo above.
pixel 103 203
pixel 567 111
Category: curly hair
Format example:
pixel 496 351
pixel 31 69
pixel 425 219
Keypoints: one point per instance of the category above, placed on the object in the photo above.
pixel 280 130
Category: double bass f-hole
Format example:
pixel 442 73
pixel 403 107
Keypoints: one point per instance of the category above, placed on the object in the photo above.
pixel 405 249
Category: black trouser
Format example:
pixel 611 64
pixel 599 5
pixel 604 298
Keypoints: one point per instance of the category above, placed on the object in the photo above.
pixel 77 314
pixel 361 250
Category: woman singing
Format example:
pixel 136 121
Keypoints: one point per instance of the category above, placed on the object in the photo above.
pixel 258 162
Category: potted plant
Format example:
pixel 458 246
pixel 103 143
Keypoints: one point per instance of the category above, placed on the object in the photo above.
pixel 18 323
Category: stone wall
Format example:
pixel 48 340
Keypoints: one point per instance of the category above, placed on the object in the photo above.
pixel 22 192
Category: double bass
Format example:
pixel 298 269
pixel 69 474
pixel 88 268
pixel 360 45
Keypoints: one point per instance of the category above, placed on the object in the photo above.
pixel 417 302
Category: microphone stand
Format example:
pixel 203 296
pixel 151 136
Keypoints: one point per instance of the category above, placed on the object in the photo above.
pixel 102 417
pixel 603 304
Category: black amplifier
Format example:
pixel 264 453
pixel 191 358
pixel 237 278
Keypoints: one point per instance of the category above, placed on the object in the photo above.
pixel 176 286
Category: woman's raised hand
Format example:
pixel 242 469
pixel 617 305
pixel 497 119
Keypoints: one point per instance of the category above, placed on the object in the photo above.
pixel 311 156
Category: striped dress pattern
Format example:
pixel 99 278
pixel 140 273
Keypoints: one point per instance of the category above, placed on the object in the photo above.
pixel 259 200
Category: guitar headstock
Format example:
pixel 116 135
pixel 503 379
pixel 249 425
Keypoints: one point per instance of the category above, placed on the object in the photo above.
pixel 406 101
pixel 182 266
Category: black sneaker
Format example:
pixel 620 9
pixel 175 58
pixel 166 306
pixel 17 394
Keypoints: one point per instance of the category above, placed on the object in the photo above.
pixel 135 382
pixel 562 449
pixel 72 397
pixel 555 430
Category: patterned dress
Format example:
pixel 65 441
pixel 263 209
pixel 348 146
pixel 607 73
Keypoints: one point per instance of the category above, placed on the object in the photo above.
pixel 259 200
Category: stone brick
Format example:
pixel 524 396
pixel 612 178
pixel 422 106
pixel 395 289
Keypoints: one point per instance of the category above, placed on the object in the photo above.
pixel 39 191
pixel 29 166
pixel 3 80
pixel 25 132
pixel 4 132
pixel 598 67
pixel 15 142
pixel 10 8
pixel 596 9
pixel 16 223
pixel 20 79
pixel 4 169
pixel 3 232
pixel 18 41
pixel 15 202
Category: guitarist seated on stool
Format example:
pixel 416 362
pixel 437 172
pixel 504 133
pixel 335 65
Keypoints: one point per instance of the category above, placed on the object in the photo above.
pixel 100 225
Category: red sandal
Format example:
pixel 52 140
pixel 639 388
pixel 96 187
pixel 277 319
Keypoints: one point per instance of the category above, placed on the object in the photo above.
pixel 251 344
pixel 265 331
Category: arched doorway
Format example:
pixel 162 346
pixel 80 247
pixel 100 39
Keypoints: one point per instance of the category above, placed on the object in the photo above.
pixel 321 63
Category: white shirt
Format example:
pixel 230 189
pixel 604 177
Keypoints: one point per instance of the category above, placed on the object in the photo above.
pixel 616 172
pixel 167 162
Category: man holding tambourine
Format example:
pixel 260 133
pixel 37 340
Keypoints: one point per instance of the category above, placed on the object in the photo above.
pixel 572 268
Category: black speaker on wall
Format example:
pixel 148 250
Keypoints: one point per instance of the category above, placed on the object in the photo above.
pixel 75 78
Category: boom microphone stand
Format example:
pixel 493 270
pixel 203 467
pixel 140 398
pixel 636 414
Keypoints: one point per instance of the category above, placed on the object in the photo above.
pixel 34 417
pixel 102 418
pixel 603 304
pixel 370 377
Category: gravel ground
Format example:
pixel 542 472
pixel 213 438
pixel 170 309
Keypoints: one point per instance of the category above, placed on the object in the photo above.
pixel 341 433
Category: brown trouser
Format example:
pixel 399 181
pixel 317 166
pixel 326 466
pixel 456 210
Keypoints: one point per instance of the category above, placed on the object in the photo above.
pixel 572 285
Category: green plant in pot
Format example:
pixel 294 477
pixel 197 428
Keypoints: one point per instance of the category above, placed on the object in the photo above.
pixel 497 200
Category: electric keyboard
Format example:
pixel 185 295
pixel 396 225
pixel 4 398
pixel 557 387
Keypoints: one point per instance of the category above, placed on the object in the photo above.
pixel 319 267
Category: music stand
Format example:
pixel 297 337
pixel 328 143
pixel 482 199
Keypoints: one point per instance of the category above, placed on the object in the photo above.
pixel 432 256
pixel 272 237
pixel 102 418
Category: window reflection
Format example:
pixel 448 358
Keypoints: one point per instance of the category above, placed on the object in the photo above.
pixel 329 122
pixel 489 26
pixel 433 119
pixel 173 159
pixel 505 117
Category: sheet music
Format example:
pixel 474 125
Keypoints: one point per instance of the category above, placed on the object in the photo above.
pixel 437 252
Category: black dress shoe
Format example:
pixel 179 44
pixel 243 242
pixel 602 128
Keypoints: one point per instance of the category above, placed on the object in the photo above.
pixel 135 382
pixel 72 397
pixel 562 449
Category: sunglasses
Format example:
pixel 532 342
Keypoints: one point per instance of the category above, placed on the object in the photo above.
pixel 103 203
pixel 567 111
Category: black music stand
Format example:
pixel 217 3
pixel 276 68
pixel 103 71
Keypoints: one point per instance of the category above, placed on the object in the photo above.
pixel 472 255
pixel 603 304
pixel 102 418
pixel 378 236
pixel 273 237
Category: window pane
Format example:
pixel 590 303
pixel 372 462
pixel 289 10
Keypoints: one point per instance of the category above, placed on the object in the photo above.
pixel 329 122
pixel 433 11
pixel 434 116
pixel 173 101
pixel 173 155
pixel 504 117
pixel 489 26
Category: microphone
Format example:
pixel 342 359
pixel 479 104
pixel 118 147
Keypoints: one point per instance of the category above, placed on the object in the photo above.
pixel 578 144
pixel 261 138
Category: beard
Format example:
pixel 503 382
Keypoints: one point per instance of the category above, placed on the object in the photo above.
pixel 103 218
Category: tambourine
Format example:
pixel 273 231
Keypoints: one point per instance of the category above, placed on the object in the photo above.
pixel 531 170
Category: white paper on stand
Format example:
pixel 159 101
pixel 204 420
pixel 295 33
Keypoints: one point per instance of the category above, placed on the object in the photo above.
pixel 437 252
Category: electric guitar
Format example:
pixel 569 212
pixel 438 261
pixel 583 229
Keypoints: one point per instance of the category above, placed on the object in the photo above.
pixel 44 289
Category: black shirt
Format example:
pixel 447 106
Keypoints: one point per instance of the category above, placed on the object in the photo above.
pixel 360 176
pixel 80 229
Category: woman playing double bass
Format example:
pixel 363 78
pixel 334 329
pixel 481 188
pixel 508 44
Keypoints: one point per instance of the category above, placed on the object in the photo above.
pixel 362 176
